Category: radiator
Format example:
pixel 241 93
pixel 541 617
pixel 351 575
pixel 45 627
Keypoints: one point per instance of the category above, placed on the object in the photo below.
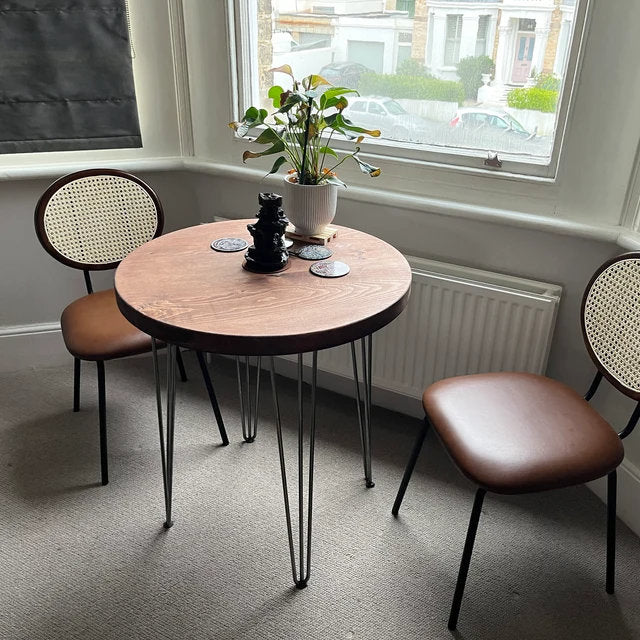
pixel 458 320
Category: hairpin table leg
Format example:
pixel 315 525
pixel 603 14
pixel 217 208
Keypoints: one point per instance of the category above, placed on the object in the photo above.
pixel 166 444
pixel 248 409
pixel 301 569
pixel 364 401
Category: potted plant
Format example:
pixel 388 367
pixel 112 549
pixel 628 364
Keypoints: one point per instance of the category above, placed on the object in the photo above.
pixel 299 132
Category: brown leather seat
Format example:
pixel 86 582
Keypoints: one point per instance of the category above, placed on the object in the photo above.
pixel 94 329
pixel 519 432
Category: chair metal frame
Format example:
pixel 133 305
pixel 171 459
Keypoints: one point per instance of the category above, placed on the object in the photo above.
pixel 56 248
pixel 603 371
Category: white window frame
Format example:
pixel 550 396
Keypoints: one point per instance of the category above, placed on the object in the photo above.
pixel 452 43
pixel 242 29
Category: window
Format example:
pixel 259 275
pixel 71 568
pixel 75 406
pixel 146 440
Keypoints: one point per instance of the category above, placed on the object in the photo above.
pixel 520 114
pixel 481 38
pixel 70 86
pixel 406 5
pixel 452 43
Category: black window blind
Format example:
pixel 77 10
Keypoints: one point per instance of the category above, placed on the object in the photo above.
pixel 66 78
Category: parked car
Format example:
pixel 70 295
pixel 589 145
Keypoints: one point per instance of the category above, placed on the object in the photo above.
pixel 385 114
pixel 489 120
pixel 344 74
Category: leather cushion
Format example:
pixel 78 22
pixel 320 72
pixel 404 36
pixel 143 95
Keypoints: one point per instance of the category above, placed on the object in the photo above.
pixel 519 432
pixel 94 329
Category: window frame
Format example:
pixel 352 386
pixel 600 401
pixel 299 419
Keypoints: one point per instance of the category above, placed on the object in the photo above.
pixel 242 31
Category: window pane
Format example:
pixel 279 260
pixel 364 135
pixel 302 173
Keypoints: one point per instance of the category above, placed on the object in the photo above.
pixel 459 80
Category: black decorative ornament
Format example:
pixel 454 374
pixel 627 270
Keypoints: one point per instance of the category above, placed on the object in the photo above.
pixel 268 254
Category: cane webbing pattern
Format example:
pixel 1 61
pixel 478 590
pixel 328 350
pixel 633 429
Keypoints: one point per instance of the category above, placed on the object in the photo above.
pixel 612 321
pixel 99 219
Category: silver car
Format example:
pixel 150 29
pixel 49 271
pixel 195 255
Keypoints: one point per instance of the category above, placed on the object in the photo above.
pixel 385 114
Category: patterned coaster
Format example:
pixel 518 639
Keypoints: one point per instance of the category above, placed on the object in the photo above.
pixel 329 269
pixel 229 245
pixel 314 252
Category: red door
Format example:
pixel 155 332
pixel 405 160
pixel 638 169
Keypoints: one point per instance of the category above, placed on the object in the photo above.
pixel 523 58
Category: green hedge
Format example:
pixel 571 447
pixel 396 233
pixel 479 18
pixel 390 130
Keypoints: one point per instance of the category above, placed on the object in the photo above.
pixel 411 87
pixel 470 72
pixel 534 98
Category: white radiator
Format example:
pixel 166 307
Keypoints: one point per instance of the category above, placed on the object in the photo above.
pixel 458 321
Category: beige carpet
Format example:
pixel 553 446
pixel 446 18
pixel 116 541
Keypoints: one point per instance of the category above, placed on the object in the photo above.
pixel 81 561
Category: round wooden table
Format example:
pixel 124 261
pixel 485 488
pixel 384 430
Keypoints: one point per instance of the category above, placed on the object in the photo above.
pixel 178 290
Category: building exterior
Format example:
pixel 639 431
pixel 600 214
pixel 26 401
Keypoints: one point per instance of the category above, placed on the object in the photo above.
pixel 522 37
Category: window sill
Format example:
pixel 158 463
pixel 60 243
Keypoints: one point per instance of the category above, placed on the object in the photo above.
pixel 57 169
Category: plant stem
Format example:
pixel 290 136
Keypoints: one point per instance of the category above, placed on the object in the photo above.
pixel 302 179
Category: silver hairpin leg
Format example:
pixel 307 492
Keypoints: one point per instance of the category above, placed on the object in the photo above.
pixel 248 409
pixel 363 401
pixel 166 444
pixel 300 570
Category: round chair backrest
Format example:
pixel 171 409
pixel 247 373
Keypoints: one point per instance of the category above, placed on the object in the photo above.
pixel 93 219
pixel 611 322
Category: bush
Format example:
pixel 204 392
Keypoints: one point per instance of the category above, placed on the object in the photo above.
pixel 411 67
pixel 470 72
pixel 547 81
pixel 411 87
pixel 535 99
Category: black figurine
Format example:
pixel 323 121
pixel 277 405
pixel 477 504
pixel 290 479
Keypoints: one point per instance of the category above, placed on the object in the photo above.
pixel 268 252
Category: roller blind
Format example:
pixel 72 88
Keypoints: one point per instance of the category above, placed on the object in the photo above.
pixel 66 79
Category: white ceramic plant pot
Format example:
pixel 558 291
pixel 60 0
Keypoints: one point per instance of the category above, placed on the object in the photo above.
pixel 310 208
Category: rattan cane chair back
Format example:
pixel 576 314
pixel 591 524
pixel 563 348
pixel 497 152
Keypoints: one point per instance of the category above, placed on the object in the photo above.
pixel 93 219
pixel 611 322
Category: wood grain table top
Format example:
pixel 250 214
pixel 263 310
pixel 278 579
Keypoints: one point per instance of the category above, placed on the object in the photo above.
pixel 178 290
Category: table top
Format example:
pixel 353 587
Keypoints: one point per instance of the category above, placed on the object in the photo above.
pixel 178 290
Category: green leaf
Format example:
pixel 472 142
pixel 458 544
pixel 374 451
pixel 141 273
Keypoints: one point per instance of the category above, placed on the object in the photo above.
pixel 277 164
pixel 328 151
pixel 251 114
pixel 276 148
pixel 314 81
pixel 338 91
pixel 343 123
pixel 267 137
pixel 274 93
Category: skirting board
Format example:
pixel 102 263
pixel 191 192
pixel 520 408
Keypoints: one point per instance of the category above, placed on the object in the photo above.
pixel 41 345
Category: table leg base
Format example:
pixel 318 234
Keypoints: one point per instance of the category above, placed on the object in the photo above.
pixel 248 409
pixel 168 525
pixel 363 401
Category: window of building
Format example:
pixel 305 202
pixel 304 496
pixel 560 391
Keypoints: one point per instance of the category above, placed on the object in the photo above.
pixel 454 37
pixel 407 5
pixel 439 114
pixel 483 34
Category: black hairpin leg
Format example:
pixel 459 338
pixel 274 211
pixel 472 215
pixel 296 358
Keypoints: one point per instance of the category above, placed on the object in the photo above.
pixel 76 384
pixel 364 401
pixel 212 396
pixel 248 409
pixel 417 447
pixel 181 369
pixel 611 531
pixel 166 445
pixel 102 412
pixel 300 570
pixel 466 558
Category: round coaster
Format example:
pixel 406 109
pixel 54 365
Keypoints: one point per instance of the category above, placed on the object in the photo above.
pixel 329 269
pixel 229 245
pixel 314 252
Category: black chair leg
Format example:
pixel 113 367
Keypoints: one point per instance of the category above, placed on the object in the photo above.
pixel 410 465
pixel 102 410
pixel 212 397
pixel 76 384
pixel 181 369
pixel 612 482
pixel 466 558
